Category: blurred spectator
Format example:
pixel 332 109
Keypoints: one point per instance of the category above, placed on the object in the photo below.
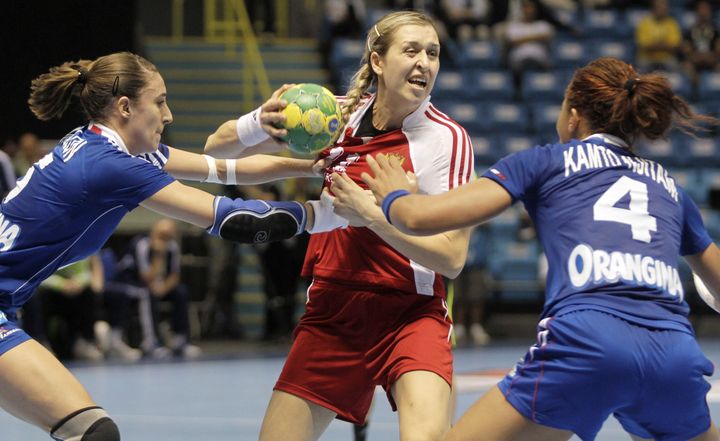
pixel 701 45
pixel 465 19
pixel 471 289
pixel 157 268
pixel 7 170
pixel 62 314
pixel 281 263
pixel 658 39
pixel 503 11
pixel 527 42
pixel 342 19
pixel 117 298
pixel 30 151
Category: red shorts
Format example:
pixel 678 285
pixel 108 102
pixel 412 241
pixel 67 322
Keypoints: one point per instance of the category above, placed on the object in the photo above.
pixel 350 340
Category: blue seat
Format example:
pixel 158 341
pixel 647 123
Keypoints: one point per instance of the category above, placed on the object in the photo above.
pixel 664 151
pixel 346 53
pixel 515 143
pixel 507 117
pixel 449 84
pixel 486 151
pixel 467 114
pixel 703 151
pixel 544 86
pixel 571 54
pixel 490 84
pixel 480 54
pixel 606 24
pixel 709 88
pixel 616 49
pixel 545 116
pixel 680 84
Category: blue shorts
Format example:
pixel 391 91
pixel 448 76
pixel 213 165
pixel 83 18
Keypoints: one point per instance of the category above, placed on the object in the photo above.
pixel 10 333
pixel 589 364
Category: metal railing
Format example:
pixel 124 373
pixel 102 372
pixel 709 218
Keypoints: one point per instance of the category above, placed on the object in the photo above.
pixel 227 21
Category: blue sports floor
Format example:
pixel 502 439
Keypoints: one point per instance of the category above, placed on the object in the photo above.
pixel 224 399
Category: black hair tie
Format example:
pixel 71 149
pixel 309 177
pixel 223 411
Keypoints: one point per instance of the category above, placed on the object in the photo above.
pixel 82 76
pixel 630 85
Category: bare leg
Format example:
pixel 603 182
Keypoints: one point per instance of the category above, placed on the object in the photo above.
pixel 712 434
pixel 424 408
pixel 291 418
pixel 37 388
pixel 492 418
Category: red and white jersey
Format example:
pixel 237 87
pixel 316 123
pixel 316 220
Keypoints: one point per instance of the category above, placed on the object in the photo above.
pixel 431 145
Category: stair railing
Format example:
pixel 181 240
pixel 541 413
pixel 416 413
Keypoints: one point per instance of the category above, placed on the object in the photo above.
pixel 231 24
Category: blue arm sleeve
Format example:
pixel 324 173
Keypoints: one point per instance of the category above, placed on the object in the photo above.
pixel 695 237
pixel 521 172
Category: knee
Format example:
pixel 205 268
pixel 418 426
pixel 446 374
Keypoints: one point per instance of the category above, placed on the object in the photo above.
pixel 89 424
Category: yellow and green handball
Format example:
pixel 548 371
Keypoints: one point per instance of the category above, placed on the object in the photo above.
pixel 312 118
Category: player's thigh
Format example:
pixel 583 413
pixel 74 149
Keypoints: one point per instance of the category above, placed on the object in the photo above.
pixel 37 388
pixel 423 404
pixel 291 418
pixel 492 418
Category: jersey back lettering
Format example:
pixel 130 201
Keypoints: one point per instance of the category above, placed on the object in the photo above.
pixel 612 225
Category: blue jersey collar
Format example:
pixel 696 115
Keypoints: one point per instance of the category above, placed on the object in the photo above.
pixel 110 134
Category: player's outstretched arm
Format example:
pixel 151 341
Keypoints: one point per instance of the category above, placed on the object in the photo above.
pixel 256 129
pixel 471 204
pixel 237 220
pixel 706 269
pixel 255 169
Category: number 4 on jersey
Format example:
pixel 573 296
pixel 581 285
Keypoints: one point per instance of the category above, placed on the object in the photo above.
pixel 637 216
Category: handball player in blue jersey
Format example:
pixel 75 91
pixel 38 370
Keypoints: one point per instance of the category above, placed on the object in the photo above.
pixel 614 337
pixel 71 200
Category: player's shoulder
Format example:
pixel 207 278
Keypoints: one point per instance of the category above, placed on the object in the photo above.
pixel 436 127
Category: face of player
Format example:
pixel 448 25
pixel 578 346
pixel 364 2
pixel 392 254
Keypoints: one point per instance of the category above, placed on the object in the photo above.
pixel 149 114
pixel 407 72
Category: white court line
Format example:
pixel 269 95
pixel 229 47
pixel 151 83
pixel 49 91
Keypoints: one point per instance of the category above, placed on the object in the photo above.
pixel 194 421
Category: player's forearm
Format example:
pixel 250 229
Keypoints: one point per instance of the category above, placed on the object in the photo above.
pixel 443 253
pixel 225 143
pixel 258 169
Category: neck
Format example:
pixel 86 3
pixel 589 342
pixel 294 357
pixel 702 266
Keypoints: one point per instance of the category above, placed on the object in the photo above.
pixel 387 116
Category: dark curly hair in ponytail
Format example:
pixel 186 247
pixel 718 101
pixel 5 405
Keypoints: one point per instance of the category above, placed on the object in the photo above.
pixel 617 100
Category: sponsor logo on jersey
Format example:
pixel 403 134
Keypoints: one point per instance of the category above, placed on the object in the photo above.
pixel 587 265
pixel 4 332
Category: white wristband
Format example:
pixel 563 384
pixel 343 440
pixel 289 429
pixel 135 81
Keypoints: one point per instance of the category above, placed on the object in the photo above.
pixel 230 172
pixel 325 217
pixel 212 170
pixel 213 177
pixel 249 129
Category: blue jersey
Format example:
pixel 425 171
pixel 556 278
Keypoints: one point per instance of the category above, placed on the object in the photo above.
pixel 612 226
pixel 68 204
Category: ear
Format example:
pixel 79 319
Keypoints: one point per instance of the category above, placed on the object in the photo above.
pixel 123 106
pixel 574 120
pixel 375 63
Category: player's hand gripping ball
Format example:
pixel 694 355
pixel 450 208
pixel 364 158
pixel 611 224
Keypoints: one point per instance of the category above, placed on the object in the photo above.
pixel 312 118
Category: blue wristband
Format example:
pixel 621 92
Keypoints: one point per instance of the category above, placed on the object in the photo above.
pixel 389 199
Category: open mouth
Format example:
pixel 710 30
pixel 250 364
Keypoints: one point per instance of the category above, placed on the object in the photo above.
pixel 419 82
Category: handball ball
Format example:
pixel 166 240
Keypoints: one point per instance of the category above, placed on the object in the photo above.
pixel 312 118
